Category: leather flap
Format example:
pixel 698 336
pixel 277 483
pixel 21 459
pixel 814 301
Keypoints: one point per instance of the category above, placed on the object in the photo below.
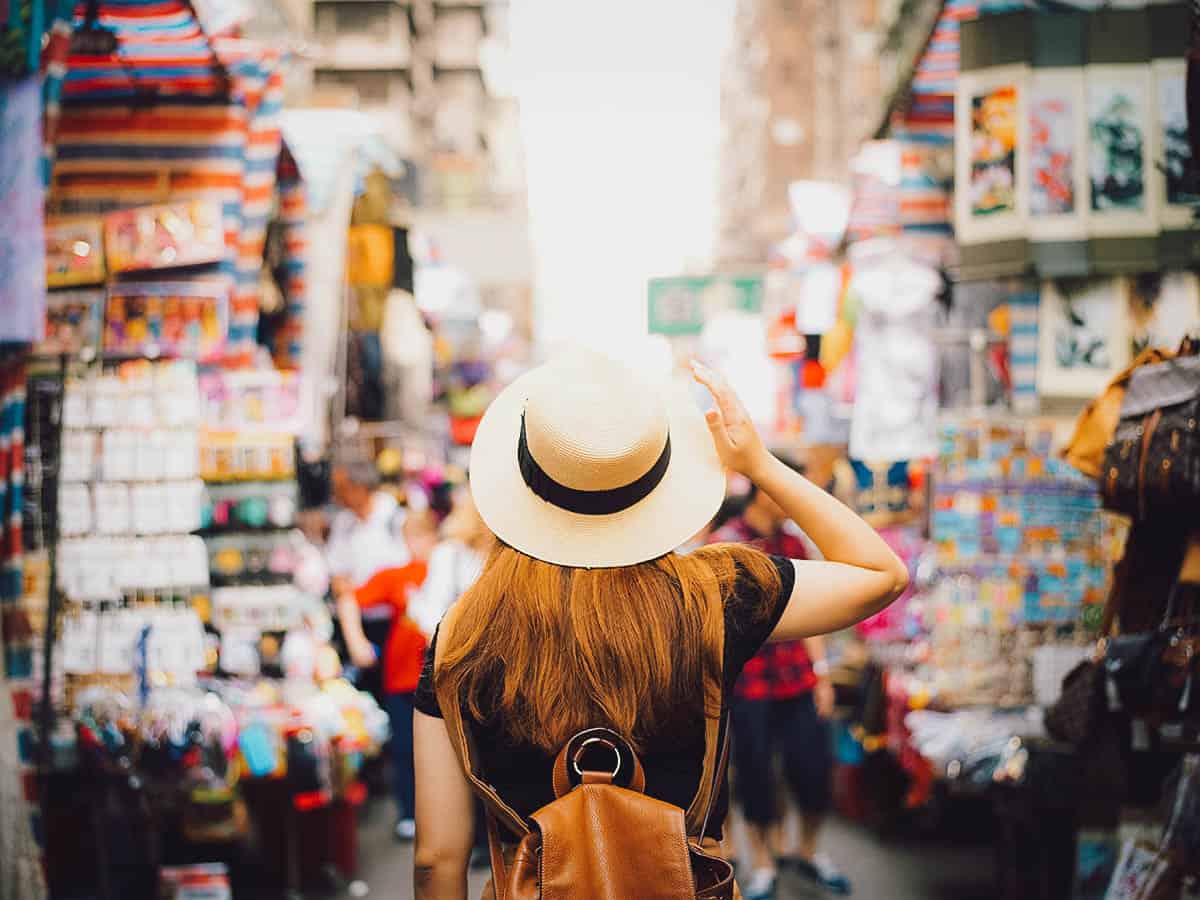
pixel 608 843
pixel 1161 385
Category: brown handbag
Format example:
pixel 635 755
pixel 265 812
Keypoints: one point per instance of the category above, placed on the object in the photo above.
pixel 599 839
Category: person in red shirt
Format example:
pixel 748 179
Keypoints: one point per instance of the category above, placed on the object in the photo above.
pixel 781 704
pixel 403 656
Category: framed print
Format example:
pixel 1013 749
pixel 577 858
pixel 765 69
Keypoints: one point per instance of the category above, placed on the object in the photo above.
pixel 1164 308
pixel 1121 146
pixel 1058 176
pixel 1174 151
pixel 990 165
pixel 1083 335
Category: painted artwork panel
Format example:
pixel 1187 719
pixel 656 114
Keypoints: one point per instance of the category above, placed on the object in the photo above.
pixel 1052 154
pixel 993 158
pixel 1084 335
pixel 1116 117
pixel 1176 151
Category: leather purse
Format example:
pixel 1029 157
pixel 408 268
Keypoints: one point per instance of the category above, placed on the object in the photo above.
pixel 1152 465
pixel 1153 672
pixel 1076 716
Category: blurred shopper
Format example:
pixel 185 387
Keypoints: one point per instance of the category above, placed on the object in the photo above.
pixel 403 653
pixel 454 564
pixel 781 706
pixel 584 615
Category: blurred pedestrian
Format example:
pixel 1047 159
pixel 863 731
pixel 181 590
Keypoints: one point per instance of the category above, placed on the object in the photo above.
pixel 455 562
pixel 584 616
pixel 781 706
pixel 403 653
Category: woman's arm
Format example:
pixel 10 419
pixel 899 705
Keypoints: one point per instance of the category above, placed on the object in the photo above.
pixel 859 575
pixel 362 654
pixel 445 814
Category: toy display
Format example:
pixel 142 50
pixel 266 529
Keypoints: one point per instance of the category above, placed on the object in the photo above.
pixel 182 319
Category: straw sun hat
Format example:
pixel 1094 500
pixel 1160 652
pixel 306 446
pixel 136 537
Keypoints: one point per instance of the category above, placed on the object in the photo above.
pixel 582 462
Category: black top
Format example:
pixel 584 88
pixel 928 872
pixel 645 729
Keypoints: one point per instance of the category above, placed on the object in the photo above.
pixel 521 774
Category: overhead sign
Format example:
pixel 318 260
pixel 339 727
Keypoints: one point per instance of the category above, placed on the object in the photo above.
pixel 681 306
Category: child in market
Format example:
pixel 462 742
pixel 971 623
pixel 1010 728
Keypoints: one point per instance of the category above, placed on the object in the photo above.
pixel 403 654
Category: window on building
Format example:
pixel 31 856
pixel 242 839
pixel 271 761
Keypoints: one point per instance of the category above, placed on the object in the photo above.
pixel 363 18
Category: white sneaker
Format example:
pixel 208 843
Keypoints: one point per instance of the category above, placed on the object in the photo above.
pixel 406 830
pixel 760 885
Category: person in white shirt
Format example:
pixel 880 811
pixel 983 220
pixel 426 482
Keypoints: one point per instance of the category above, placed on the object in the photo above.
pixel 454 564
pixel 366 533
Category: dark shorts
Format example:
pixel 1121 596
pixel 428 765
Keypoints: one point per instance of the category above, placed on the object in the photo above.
pixel 791 732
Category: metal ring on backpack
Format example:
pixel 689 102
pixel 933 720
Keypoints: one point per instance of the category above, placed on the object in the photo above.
pixel 596 740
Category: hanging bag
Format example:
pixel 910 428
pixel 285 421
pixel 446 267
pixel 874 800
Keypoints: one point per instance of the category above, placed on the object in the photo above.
pixel 1154 672
pixel 1151 468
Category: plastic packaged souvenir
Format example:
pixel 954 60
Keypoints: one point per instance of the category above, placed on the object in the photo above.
pixel 74 252
pixel 73 322
pixel 186 319
pixel 158 237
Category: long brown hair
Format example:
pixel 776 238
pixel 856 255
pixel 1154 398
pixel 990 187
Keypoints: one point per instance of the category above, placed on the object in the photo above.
pixel 546 651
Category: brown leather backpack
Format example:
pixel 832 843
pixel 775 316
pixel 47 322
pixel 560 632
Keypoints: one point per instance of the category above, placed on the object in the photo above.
pixel 603 838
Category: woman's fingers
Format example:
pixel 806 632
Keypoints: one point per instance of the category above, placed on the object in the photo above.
pixel 726 400
pixel 720 434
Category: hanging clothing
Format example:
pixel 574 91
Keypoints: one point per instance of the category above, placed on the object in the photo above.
pixel 20 857
pixel 22 236
pixel 407 347
pixel 895 407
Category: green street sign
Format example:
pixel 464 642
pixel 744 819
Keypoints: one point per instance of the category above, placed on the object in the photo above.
pixel 680 306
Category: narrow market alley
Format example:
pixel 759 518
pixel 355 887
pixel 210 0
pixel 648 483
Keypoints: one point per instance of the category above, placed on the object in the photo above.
pixel 906 868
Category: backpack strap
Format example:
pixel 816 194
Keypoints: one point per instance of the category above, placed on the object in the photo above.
pixel 468 756
pixel 716 749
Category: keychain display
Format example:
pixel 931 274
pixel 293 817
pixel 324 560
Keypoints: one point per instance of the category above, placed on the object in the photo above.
pixel 252 559
pixel 253 506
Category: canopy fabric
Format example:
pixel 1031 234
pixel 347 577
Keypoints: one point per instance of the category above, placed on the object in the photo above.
pixel 175 115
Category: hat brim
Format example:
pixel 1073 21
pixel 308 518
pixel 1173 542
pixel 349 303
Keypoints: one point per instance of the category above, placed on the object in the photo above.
pixel 683 503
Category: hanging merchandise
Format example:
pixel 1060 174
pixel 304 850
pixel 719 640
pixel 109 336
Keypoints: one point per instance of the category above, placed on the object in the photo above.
pixel 1172 179
pixel 1072 142
pixel 22 238
pixel 75 251
pixel 1059 185
pixel 407 360
pixel 896 391
pixel 187 319
pixel 1083 335
pixel 159 237
pixel 1151 468
pixel 1123 220
pixel 991 207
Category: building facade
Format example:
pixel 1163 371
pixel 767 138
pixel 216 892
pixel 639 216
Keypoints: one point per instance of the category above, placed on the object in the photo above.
pixel 803 84
pixel 430 72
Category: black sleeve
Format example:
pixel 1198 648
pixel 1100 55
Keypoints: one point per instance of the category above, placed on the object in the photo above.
pixel 425 699
pixel 750 617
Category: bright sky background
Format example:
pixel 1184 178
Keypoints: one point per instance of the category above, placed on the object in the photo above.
pixel 620 110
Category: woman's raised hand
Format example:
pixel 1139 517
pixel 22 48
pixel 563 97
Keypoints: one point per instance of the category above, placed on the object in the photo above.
pixel 737 440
